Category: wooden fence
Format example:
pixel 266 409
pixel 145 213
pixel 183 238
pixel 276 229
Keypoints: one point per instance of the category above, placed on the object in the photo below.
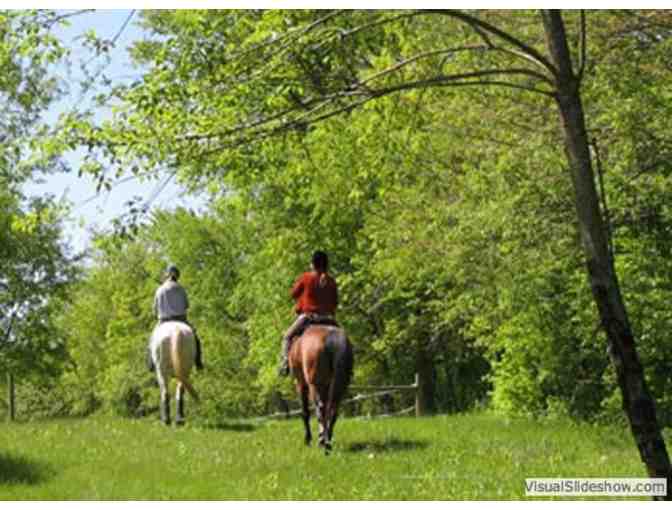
pixel 387 389
pixel 378 391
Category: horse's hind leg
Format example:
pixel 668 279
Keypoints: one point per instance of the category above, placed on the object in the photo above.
pixel 165 399
pixel 305 412
pixel 320 412
pixel 179 400
pixel 333 411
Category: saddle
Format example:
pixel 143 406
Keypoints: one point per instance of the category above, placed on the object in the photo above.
pixel 316 320
pixel 175 318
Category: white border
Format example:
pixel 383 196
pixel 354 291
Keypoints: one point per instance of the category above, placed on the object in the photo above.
pixel 340 4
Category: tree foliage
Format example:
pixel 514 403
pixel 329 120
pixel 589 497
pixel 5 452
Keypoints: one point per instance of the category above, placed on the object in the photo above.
pixel 36 266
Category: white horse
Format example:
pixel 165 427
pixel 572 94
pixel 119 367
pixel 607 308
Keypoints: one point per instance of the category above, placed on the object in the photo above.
pixel 173 350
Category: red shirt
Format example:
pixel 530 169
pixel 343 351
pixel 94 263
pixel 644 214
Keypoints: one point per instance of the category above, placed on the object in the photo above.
pixel 311 297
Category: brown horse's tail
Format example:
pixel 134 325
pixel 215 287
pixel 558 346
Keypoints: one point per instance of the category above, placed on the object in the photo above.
pixel 181 374
pixel 342 363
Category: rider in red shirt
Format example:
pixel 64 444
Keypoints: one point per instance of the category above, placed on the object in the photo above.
pixel 316 296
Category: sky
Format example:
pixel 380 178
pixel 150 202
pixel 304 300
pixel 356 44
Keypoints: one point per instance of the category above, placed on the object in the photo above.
pixel 89 209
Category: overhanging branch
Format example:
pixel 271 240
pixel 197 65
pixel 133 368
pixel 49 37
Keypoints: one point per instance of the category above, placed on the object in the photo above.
pixel 299 123
pixel 415 58
pixel 452 81
pixel 582 45
pixel 476 23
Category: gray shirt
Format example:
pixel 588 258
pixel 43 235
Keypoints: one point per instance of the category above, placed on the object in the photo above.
pixel 170 300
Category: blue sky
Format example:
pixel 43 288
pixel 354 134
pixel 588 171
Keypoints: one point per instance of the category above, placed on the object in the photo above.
pixel 90 210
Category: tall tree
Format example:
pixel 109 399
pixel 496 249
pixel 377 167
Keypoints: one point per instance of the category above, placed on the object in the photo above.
pixel 638 403
pixel 34 264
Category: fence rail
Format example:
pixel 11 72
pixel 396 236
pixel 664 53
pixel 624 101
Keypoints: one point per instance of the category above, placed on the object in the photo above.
pixel 379 391
pixel 388 388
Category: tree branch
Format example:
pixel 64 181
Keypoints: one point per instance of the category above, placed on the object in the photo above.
pixel 52 20
pixel 582 45
pixel 289 37
pixel 267 127
pixel 353 31
pixel 123 27
pixel 8 332
pixel 518 54
pixel 528 51
pixel 301 122
pixel 415 58
pixel 410 60
pixel 603 196
pixel 467 79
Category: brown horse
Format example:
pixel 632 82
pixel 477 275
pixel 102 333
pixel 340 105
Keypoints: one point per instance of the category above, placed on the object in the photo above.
pixel 321 360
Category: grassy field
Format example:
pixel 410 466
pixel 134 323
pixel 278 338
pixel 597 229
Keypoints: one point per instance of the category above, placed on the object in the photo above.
pixel 475 456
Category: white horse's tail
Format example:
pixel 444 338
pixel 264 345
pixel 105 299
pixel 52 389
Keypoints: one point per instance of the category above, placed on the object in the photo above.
pixel 182 375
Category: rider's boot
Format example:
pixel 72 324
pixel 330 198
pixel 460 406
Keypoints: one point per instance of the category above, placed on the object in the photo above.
pixel 149 362
pixel 283 371
pixel 199 360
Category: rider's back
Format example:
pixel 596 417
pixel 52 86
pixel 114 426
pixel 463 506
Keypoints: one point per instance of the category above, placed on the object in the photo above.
pixel 171 300
pixel 316 293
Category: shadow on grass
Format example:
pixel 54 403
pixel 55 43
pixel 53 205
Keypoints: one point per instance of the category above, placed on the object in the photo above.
pixel 19 470
pixel 231 426
pixel 386 446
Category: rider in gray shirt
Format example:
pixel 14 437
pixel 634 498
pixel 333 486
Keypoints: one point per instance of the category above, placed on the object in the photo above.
pixel 171 304
pixel 170 301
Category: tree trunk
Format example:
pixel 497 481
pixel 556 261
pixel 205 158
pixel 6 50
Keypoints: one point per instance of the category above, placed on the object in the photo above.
pixel 11 398
pixel 638 403
pixel 424 403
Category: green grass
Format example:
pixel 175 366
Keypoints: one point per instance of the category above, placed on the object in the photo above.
pixel 475 456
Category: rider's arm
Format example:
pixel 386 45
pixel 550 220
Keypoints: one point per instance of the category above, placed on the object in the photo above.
pixel 186 299
pixel 297 289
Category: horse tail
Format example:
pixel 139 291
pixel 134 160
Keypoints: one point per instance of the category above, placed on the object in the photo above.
pixel 343 364
pixel 181 374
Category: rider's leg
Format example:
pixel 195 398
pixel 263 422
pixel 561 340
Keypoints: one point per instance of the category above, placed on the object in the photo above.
pixel 284 357
pixel 199 358
pixel 149 362
pixel 293 330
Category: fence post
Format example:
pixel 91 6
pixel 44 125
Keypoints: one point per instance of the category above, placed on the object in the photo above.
pixel 419 401
pixel 11 400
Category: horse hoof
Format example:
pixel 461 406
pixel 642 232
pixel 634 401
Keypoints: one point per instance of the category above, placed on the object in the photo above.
pixel 179 423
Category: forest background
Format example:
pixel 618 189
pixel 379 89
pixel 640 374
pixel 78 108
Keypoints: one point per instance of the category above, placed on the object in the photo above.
pixel 445 205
